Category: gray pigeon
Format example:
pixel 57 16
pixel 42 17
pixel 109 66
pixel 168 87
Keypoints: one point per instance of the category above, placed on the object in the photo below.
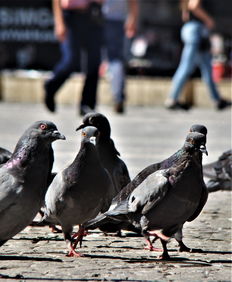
pixel 79 192
pixel 23 178
pixel 4 155
pixel 166 198
pixel 123 194
pixel 107 151
pixel 110 159
pixel 219 173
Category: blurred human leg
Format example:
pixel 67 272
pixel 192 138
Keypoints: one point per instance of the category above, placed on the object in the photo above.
pixel 92 43
pixel 204 59
pixel 114 45
pixel 70 59
pixel 190 34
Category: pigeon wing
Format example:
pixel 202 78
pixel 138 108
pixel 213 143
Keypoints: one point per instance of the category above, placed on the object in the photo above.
pixel 149 193
pixel 204 197
pixel 9 189
pixel 54 199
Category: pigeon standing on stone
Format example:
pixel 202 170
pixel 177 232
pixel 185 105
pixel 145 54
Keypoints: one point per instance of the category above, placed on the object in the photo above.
pixel 107 151
pixel 80 191
pixel 110 159
pixel 219 173
pixel 23 178
pixel 4 155
pixel 123 194
pixel 167 198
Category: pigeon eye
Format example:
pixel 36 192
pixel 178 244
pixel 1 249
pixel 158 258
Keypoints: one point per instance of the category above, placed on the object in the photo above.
pixel 83 134
pixel 43 126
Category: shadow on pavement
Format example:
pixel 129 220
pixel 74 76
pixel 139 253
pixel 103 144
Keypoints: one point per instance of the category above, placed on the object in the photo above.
pixel 13 257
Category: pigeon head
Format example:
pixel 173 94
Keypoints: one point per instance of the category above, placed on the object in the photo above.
pixel 99 121
pixel 89 134
pixel 198 128
pixel 38 136
pixel 45 130
pixel 196 141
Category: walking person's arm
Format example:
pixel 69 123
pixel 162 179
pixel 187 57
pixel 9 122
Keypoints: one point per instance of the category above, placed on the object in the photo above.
pixel 196 8
pixel 132 18
pixel 60 28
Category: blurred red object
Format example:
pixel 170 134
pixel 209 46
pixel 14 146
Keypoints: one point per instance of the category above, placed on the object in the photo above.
pixel 218 71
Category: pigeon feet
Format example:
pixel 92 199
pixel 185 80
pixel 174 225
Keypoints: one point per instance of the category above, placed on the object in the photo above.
pixel 153 249
pixel 79 236
pixel 158 235
pixel 73 253
pixel 150 245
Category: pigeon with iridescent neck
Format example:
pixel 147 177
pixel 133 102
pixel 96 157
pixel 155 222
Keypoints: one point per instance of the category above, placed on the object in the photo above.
pixel 23 178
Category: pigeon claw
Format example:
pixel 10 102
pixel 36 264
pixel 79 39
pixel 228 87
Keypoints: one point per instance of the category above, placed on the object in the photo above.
pixel 73 253
pixel 153 249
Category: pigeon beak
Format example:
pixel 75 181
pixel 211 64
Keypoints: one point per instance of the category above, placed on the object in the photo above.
pixel 92 140
pixel 56 134
pixel 203 150
pixel 80 127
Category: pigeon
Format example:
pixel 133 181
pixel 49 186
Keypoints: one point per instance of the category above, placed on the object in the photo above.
pixel 167 197
pixel 107 151
pixel 79 192
pixel 4 155
pixel 123 194
pixel 110 159
pixel 23 178
pixel 219 173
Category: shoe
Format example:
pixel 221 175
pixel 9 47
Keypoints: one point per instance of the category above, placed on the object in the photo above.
pixel 50 102
pixel 178 106
pixel 85 109
pixel 222 104
pixel 119 108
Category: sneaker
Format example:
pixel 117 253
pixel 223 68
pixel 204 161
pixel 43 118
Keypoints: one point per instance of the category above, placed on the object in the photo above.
pixel 50 102
pixel 49 98
pixel 119 108
pixel 178 106
pixel 222 104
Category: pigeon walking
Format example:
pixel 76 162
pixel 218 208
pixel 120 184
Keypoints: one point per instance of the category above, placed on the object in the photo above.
pixel 23 178
pixel 79 192
pixel 167 198
pixel 125 192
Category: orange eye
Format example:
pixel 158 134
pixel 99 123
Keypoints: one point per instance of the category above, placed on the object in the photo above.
pixel 83 134
pixel 43 126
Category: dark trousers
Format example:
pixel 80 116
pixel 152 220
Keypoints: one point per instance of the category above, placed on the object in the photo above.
pixel 81 49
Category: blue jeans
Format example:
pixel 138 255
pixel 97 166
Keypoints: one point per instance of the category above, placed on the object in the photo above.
pixel 114 40
pixel 84 36
pixel 191 34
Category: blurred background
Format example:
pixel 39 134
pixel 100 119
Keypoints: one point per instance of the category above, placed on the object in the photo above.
pixel 27 40
pixel 29 51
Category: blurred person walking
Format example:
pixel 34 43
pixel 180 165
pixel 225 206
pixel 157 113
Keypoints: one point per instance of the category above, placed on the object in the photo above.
pixel 78 27
pixel 196 52
pixel 120 24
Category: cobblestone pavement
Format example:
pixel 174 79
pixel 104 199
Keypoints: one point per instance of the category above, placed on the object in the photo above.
pixel 143 136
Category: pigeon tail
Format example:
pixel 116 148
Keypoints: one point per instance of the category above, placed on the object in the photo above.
pixel 120 209
pixel 96 222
